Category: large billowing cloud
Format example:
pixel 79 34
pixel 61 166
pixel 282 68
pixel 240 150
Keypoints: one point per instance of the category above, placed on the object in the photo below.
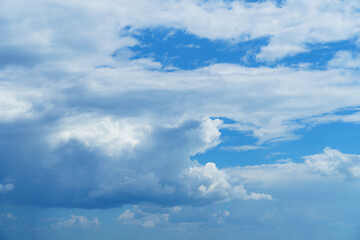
pixel 91 161
pixel 84 127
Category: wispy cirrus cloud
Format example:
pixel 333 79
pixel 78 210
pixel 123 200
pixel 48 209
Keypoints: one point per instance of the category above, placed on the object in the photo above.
pixel 242 148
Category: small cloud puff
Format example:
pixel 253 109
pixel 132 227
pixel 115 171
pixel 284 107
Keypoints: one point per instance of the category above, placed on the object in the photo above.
pixel 9 216
pixel 142 218
pixel 188 46
pixel 78 222
pixel 4 188
pixel 221 215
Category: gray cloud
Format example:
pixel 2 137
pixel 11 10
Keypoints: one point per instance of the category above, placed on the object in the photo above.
pixel 96 165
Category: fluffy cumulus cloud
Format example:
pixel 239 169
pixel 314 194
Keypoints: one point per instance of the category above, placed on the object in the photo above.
pixel 143 219
pixel 333 162
pixel 104 162
pixel 217 182
pixel 83 124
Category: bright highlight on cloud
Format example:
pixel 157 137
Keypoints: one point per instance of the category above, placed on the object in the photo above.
pixel 111 136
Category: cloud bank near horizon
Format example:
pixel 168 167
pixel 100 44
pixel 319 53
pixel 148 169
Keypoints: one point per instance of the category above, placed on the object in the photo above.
pixel 87 124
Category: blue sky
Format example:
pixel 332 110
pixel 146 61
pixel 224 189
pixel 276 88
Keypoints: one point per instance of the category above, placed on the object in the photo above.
pixel 183 119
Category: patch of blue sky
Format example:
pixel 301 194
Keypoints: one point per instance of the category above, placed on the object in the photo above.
pixel 278 3
pixel 179 49
pixel 224 157
pixel 337 135
pixel 319 54
pixel 176 48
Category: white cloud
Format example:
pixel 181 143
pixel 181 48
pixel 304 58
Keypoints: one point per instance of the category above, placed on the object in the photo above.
pixel 148 216
pixel 209 134
pixel 218 182
pixel 333 162
pixel 78 222
pixel 127 216
pixel 143 219
pixel 4 188
pixel 289 27
pixel 241 148
pixel 345 59
pixel 270 176
pixel 111 136
pixel 277 50
pixel 293 94
pixel 96 157
pixel 14 105
pixel 188 46
pixel 221 215
pixel 283 95
pixel 329 166
pixel 155 127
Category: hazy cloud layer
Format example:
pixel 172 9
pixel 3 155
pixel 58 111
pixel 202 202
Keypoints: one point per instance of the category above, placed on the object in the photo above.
pixel 78 222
